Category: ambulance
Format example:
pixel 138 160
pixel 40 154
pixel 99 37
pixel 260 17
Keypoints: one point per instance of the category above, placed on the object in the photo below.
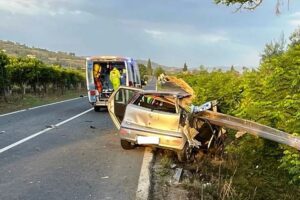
pixel 103 73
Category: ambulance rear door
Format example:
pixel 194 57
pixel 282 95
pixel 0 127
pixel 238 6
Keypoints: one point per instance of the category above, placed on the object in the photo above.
pixel 90 81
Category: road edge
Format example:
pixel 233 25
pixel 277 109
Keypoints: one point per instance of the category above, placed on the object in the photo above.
pixel 143 189
pixel 44 105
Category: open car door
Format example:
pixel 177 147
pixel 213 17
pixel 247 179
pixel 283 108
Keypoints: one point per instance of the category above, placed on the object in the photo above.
pixel 118 101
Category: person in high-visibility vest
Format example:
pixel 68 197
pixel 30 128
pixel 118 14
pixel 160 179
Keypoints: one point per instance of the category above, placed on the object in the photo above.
pixel 114 77
pixel 96 73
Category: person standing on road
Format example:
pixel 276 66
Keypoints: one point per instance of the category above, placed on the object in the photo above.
pixel 114 77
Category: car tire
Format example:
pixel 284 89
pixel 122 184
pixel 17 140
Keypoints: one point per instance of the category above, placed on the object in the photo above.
pixel 127 145
pixel 97 108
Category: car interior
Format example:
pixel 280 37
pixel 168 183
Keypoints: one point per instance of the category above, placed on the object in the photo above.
pixel 159 103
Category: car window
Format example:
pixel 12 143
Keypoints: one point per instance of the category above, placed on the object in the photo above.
pixel 155 103
pixel 124 96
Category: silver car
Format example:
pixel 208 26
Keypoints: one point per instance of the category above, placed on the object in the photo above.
pixel 157 118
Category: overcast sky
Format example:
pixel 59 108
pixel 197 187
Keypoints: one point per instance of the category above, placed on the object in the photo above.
pixel 169 32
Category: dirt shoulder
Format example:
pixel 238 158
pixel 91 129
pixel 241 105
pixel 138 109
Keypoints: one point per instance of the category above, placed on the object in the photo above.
pixel 214 177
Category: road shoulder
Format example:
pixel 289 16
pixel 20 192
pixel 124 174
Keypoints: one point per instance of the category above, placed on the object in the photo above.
pixel 143 188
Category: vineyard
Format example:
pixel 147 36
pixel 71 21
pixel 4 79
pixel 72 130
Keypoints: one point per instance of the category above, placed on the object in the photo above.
pixel 23 75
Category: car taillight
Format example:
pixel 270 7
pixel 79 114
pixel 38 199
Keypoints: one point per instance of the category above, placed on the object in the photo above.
pixel 92 92
pixel 177 141
pixel 123 131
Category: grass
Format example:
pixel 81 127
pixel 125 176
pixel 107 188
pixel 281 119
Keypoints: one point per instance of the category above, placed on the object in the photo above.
pixel 17 102
pixel 254 175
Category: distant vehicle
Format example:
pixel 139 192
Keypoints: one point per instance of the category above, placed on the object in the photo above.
pixel 99 85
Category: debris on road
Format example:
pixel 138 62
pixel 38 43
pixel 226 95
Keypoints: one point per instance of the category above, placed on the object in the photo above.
pixel 105 177
pixel 1 132
pixel 178 174
pixel 173 166
pixel 92 127
pixel 50 126
pixel 37 148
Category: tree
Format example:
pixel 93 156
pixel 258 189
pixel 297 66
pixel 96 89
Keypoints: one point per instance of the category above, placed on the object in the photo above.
pixel 271 97
pixel 3 74
pixel 295 37
pixel 274 48
pixel 202 68
pixel 185 67
pixel 248 4
pixel 143 70
pixel 158 71
pixel 149 67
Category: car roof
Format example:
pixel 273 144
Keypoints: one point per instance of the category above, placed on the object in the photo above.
pixel 109 58
pixel 178 94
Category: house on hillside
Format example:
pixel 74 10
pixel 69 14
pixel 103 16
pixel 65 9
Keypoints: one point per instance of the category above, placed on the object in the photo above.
pixel 31 56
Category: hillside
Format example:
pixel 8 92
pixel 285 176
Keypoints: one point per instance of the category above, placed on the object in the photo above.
pixel 155 65
pixel 64 59
pixel 60 58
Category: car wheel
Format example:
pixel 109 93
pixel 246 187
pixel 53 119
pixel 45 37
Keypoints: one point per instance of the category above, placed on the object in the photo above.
pixel 97 108
pixel 127 145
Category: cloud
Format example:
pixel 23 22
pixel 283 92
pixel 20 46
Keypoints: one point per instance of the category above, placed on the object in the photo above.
pixel 295 14
pixel 294 19
pixel 184 37
pixel 294 22
pixel 155 33
pixel 40 7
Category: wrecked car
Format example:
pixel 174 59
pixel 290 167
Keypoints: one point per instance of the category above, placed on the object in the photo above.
pixel 157 118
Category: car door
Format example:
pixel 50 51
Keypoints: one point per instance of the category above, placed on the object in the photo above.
pixel 90 81
pixel 118 101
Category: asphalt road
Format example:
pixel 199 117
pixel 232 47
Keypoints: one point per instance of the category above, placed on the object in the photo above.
pixel 81 159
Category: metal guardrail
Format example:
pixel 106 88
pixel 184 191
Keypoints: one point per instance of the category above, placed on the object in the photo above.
pixel 254 128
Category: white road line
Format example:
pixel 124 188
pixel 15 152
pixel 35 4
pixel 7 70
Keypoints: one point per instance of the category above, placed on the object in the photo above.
pixel 40 106
pixel 142 192
pixel 43 131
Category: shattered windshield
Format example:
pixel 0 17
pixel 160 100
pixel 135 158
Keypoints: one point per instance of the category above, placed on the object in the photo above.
pixel 156 102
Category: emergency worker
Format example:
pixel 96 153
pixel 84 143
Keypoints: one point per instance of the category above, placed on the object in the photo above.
pixel 96 73
pixel 114 77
